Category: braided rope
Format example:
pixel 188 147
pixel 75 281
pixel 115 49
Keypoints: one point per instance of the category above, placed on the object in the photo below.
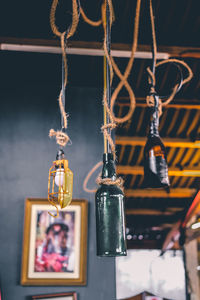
pixel 123 82
pixel 89 21
pixel 63 138
pixel 151 76
pixel 124 77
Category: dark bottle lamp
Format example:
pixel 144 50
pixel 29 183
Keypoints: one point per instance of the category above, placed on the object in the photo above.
pixel 110 219
pixel 155 159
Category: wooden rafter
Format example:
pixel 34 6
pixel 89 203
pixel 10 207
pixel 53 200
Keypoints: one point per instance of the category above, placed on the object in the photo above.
pixel 173 171
pixel 169 142
pixel 179 104
pixel 153 212
pixel 153 193
pixel 174 51
pixel 172 236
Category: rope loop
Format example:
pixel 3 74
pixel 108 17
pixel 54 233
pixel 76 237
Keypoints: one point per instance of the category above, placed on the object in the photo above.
pixel 75 19
pixel 151 73
pixel 123 83
pixel 61 138
pixel 118 181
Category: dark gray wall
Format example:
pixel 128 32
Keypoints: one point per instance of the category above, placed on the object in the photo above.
pixel 28 110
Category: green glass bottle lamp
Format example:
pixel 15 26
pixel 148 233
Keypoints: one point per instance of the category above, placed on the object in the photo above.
pixel 110 219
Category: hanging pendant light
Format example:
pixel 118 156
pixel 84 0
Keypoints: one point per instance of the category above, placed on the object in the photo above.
pixel 60 181
pixel 109 198
pixel 155 158
pixel 110 219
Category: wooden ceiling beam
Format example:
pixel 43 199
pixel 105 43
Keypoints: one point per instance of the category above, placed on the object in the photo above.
pixel 169 142
pixel 193 210
pixel 180 103
pixel 154 193
pixel 172 236
pixel 173 171
pixel 124 49
pixel 153 212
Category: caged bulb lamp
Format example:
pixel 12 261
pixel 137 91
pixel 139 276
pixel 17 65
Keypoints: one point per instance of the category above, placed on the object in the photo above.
pixel 60 183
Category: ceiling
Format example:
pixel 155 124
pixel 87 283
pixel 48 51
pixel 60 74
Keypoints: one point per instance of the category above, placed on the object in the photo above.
pixel 150 214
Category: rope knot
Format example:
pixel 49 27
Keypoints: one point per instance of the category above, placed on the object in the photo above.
pixel 61 138
pixel 118 181
pixel 151 102
pixel 110 125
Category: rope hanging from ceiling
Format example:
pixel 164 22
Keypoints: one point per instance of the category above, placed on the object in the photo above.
pixel 113 66
pixel 61 137
pixel 151 73
pixel 60 182
pixel 107 127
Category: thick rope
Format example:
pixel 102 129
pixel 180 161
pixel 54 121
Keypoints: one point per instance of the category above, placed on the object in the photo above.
pixel 123 82
pixel 112 64
pixel 89 21
pixel 87 178
pixel 119 181
pixel 151 75
pixel 62 138
pixel 124 77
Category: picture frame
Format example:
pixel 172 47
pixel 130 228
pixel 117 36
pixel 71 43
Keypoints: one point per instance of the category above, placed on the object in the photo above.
pixel 54 249
pixel 58 296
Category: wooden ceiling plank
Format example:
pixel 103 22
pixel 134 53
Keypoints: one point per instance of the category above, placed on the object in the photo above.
pixel 141 118
pixel 173 121
pixel 173 171
pixel 195 159
pixel 121 153
pixel 174 181
pixel 140 182
pixel 183 182
pixel 120 112
pixel 164 77
pixel 178 156
pixel 153 193
pixel 194 123
pixel 140 157
pixel 169 142
pixel 170 155
pixel 131 155
pixel 174 51
pixel 139 76
pixel 190 181
pixel 127 125
pixel 183 123
pixel 132 182
pixel 150 212
pixel 163 119
pixel 179 104
pixel 187 156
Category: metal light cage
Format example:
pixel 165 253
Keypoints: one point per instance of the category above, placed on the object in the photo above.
pixel 60 194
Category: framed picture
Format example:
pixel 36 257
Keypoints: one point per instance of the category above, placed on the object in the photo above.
pixel 54 249
pixel 60 296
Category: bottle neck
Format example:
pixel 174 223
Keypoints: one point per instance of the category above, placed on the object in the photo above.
pixel 108 170
pixel 154 122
